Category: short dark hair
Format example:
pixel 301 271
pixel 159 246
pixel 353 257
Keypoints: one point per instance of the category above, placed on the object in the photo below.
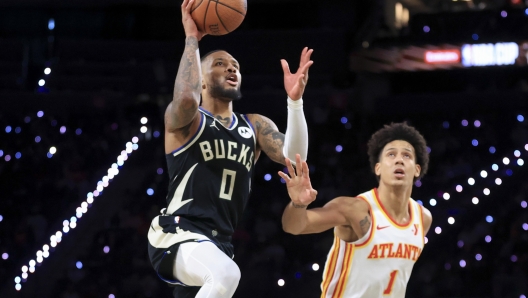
pixel 202 59
pixel 398 131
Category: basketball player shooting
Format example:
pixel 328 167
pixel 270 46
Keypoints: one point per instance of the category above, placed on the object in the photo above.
pixel 210 153
pixel 378 235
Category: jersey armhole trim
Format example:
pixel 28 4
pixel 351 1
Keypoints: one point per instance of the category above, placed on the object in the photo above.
pixel 372 226
pixel 421 223
pixel 193 139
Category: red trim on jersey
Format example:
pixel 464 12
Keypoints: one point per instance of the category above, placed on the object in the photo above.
pixel 345 271
pixel 422 223
pixel 372 225
pixel 406 225
pixel 331 267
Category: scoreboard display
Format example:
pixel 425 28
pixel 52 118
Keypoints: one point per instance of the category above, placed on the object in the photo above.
pixel 440 57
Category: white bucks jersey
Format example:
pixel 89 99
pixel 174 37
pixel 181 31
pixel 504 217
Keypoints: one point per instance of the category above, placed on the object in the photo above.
pixel 380 263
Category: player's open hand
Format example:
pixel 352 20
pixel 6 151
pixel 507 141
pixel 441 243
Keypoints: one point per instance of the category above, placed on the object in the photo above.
pixel 294 83
pixel 299 186
pixel 188 22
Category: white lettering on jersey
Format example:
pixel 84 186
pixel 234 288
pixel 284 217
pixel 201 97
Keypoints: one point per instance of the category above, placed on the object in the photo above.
pixel 206 150
pixel 219 152
pixel 229 146
pixel 243 154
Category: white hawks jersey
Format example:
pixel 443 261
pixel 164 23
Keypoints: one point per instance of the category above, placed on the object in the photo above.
pixel 380 263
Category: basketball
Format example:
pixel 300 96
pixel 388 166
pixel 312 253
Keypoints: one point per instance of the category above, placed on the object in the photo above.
pixel 218 17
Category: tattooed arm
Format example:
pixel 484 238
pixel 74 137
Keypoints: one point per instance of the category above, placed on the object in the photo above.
pixel 183 109
pixel 269 138
pixel 187 88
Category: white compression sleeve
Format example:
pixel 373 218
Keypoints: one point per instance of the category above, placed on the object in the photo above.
pixel 296 137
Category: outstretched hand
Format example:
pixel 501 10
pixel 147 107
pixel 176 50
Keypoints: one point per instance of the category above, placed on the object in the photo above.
pixel 188 22
pixel 294 83
pixel 299 186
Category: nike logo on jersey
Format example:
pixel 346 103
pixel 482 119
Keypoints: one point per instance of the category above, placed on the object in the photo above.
pixel 381 228
pixel 177 200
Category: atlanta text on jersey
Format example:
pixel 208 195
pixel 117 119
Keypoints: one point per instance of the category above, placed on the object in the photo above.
pixel 401 251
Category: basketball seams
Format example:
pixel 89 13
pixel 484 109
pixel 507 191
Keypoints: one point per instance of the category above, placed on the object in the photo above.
pixel 197 5
pixel 222 19
pixel 219 18
pixel 205 16
pixel 228 6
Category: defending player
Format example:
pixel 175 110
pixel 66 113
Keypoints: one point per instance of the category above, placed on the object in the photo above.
pixel 379 234
pixel 211 152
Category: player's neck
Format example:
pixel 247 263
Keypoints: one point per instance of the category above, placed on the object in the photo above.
pixel 221 110
pixel 395 200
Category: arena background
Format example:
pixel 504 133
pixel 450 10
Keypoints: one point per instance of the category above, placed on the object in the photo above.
pixel 83 85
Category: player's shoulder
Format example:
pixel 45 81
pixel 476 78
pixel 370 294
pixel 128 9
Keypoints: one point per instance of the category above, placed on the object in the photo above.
pixel 427 216
pixel 347 202
pixel 425 212
pixel 261 122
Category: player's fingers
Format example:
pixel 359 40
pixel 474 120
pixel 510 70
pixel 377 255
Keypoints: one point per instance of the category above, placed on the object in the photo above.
pixel 309 53
pixel 306 57
pixel 290 167
pixel 303 55
pixel 188 5
pixel 305 67
pixel 300 80
pixel 305 169
pixel 284 176
pixel 299 165
pixel 285 67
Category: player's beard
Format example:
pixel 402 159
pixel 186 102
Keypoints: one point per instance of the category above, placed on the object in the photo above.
pixel 218 91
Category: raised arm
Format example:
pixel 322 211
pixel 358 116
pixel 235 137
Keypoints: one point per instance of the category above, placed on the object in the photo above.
pixel 274 143
pixel 183 109
pixel 296 136
pixel 187 87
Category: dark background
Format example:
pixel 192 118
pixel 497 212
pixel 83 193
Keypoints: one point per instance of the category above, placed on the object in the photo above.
pixel 114 62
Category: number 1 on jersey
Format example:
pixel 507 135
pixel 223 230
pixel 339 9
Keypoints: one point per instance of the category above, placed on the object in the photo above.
pixel 226 194
pixel 388 290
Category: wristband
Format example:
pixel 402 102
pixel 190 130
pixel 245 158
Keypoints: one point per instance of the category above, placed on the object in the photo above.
pixel 295 104
pixel 298 206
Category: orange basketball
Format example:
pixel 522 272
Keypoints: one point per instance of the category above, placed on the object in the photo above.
pixel 218 17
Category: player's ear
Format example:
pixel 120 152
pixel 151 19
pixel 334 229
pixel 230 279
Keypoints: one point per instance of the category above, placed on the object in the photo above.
pixel 203 77
pixel 377 170
pixel 418 171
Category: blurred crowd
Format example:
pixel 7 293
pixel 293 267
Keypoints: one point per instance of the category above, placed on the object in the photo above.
pixel 483 253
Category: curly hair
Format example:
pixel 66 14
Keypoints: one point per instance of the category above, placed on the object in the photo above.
pixel 403 132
